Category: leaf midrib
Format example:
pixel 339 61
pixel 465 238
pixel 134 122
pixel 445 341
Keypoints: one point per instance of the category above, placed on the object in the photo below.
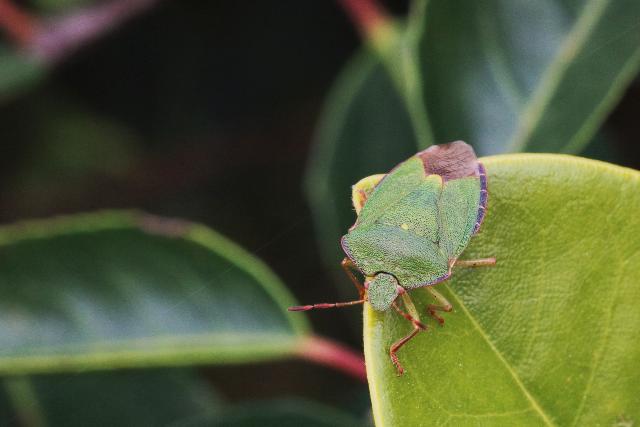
pixel 534 403
pixel 551 78
pixel 598 354
pixel 178 353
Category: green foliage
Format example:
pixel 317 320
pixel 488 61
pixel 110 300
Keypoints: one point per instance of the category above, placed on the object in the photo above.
pixel 124 398
pixel 123 289
pixel 17 72
pixel 504 76
pixel 550 335
pixel 525 76
pixel 364 130
pixel 277 413
pixel 141 398
pixel 59 6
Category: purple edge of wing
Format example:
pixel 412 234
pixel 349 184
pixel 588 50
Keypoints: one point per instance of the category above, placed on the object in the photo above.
pixel 482 206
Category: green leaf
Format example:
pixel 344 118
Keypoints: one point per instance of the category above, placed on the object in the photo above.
pixel 17 72
pixel 526 76
pixel 124 398
pixel 502 75
pixel 277 413
pixel 364 130
pixel 121 289
pixel 59 6
pixel 176 398
pixel 551 334
pixel 70 149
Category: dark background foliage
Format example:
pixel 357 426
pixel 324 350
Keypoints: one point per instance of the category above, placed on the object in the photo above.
pixel 206 110
pixel 199 110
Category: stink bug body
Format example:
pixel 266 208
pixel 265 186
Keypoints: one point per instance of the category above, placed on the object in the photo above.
pixel 413 223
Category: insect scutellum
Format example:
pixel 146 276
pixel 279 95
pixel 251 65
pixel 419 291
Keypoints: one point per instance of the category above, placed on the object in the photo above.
pixel 412 225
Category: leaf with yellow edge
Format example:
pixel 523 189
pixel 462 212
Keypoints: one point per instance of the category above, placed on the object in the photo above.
pixel 124 289
pixel 551 334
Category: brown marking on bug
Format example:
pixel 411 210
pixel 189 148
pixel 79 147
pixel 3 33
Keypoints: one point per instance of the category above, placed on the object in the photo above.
pixel 450 161
pixel 362 198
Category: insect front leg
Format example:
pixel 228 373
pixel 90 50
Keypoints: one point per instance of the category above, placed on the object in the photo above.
pixel 443 305
pixel 417 327
pixel 348 266
pixel 325 305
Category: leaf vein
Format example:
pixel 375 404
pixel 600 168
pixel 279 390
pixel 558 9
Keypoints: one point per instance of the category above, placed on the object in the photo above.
pixel 551 78
pixel 496 59
pixel 597 356
pixel 534 403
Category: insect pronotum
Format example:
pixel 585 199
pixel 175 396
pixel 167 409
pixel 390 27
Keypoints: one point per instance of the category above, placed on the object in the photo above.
pixel 412 225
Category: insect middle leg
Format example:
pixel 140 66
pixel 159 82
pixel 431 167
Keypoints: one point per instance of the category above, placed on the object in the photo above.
pixel 442 305
pixel 417 327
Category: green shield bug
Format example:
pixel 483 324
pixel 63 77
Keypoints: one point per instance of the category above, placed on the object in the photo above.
pixel 412 225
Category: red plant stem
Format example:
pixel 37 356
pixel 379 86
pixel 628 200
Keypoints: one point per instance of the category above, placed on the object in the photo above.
pixel 17 23
pixel 62 36
pixel 334 355
pixel 367 15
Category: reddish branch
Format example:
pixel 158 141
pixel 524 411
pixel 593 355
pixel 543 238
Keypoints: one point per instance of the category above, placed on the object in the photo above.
pixel 52 40
pixel 367 15
pixel 17 24
pixel 334 355
pixel 63 36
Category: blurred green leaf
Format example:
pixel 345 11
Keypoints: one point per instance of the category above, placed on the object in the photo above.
pixel 7 408
pixel 278 413
pixel 551 334
pixel 72 142
pixel 175 398
pixel 526 76
pixel 120 289
pixel 67 152
pixel 125 398
pixel 365 128
pixel 501 75
pixel 17 72
pixel 59 6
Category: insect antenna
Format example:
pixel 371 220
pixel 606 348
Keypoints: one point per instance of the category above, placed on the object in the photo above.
pixel 325 305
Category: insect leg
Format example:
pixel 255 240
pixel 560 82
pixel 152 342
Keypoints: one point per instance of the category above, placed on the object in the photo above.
pixel 483 262
pixel 396 346
pixel 325 305
pixel 348 266
pixel 443 305
pixel 417 327
pixel 415 322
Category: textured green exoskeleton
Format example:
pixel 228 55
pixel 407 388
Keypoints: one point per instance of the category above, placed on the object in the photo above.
pixel 413 223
